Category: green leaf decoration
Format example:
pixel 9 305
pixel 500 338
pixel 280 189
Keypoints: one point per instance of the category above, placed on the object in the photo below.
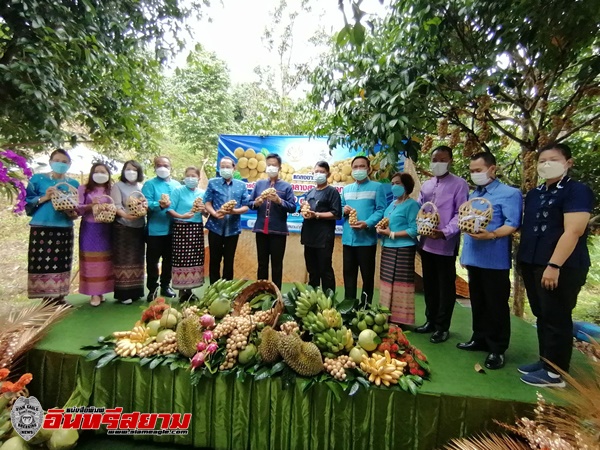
pixel 107 358
pixel 354 388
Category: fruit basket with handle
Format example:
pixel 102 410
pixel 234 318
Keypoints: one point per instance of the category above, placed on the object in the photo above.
pixel 65 198
pixel 104 210
pixel 428 219
pixel 136 204
pixel 253 290
pixel 475 215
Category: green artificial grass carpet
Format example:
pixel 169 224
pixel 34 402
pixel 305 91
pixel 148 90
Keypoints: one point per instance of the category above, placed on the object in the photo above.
pixel 453 370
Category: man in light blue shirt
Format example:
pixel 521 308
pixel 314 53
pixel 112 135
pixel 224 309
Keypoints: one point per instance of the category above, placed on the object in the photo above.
pixel 159 242
pixel 487 257
pixel 359 239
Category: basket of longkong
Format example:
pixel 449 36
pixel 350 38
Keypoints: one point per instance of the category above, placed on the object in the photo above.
pixel 104 211
pixel 305 209
pixel 228 207
pixel 383 223
pixel 428 219
pixel 258 288
pixel 198 205
pixel 136 204
pixel 264 194
pixel 475 215
pixel 64 199
pixel 352 217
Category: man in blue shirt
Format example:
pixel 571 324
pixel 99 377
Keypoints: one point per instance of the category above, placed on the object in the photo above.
pixel 159 239
pixel 359 239
pixel 224 227
pixel 487 257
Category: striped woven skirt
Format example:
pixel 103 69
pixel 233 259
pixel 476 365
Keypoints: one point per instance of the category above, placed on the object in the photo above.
pixel 188 255
pixel 95 258
pixel 50 257
pixel 128 253
pixel 397 283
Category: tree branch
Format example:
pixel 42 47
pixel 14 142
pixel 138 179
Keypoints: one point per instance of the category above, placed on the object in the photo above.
pixel 578 127
pixel 505 131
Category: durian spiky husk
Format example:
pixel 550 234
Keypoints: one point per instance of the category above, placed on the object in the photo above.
pixel 303 357
pixel 269 345
pixel 188 336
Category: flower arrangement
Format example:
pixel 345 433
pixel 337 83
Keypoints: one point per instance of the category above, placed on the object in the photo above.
pixel 11 180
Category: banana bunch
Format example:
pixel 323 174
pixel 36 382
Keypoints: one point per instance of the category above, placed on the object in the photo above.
pixel 383 223
pixel 333 317
pixel 198 205
pixel 257 302
pixel 352 217
pixel 332 341
pixel 267 192
pixel 315 322
pixel 139 333
pixel 227 207
pixel 126 347
pixel 228 288
pixel 382 369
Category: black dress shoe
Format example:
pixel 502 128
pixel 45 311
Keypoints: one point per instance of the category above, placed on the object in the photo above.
pixel 439 337
pixel 473 346
pixel 168 292
pixel 151 297
pixel 427 327
pixel 494 361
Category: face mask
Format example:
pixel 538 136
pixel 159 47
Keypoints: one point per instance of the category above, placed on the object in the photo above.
pixel 320 178
pixel 131 175
pixel 359 174
pixel 100 178
pixel 191 182
pixel 480 178
pixel 163 172
pixel 226 173
pixel 439 168
pixel 551 169
pixel 272 171
pixel 397 190
pixel 59 167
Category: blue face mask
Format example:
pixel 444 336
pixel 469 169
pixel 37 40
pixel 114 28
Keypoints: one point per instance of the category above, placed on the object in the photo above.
pixel 191 182
pixel 398 190
pixel 59 167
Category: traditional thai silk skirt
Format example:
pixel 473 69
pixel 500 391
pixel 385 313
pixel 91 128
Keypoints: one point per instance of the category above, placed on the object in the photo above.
pixel 397 283
pixel 95 258
pixel 50 257
pixel 128 253
pixel 188 255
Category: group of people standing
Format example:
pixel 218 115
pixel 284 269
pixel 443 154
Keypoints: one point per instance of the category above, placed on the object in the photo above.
pixel 553 257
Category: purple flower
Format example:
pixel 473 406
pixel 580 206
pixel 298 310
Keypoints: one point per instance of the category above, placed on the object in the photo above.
pixel 19 161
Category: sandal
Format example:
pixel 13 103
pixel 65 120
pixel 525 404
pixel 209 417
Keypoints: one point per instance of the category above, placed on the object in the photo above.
pixel 95 300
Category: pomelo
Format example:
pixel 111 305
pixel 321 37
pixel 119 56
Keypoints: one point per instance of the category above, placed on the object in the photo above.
pixel 367 339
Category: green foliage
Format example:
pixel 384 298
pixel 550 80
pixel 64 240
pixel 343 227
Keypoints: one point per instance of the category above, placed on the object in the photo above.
pixel 72 64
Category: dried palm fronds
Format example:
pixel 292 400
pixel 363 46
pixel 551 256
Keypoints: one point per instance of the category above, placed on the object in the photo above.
pixel 21 327
pixel 488 442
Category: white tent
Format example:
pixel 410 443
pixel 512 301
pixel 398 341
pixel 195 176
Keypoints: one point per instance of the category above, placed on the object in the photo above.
pixel 82 159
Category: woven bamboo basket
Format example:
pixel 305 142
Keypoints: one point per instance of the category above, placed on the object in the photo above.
pixel 428 219
pixel 475 215
pixel 104 212
pixel 253 290
pixel 65 200
pixel 136 204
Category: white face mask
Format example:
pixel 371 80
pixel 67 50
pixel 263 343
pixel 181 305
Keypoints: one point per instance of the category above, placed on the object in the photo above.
pixel 226 173
pixel 100 178
pixel 272 171
pixel 131 175
pixel 320 178
pixel 551 169
pixel 163 172
pixel 439 168
pixel 480 178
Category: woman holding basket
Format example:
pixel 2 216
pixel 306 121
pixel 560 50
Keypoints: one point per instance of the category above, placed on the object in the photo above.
pixel 51 232
pixel 128 234
pixel 95 245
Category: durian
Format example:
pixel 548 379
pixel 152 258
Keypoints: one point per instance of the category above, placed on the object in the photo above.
pixel 303 357
pixel 269 344
pixel 188 336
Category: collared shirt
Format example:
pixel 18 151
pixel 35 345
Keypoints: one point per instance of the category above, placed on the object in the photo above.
pixel 45 215
pixel 368 199
pixel 182 200
pixel 508 208
pixel 271 217
pixel 447 193
pixel 320 233
pixel 543 222
pixel 403 217
pixel 159 223
pixel 219 192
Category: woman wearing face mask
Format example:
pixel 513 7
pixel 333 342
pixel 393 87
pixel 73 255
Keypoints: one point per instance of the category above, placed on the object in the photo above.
pixel 318 229
pixel 128 237
pixel 224 228
pixel 399 243
pixel 51 232
pixel 188 236
pixel 96 276
pixel 554 259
